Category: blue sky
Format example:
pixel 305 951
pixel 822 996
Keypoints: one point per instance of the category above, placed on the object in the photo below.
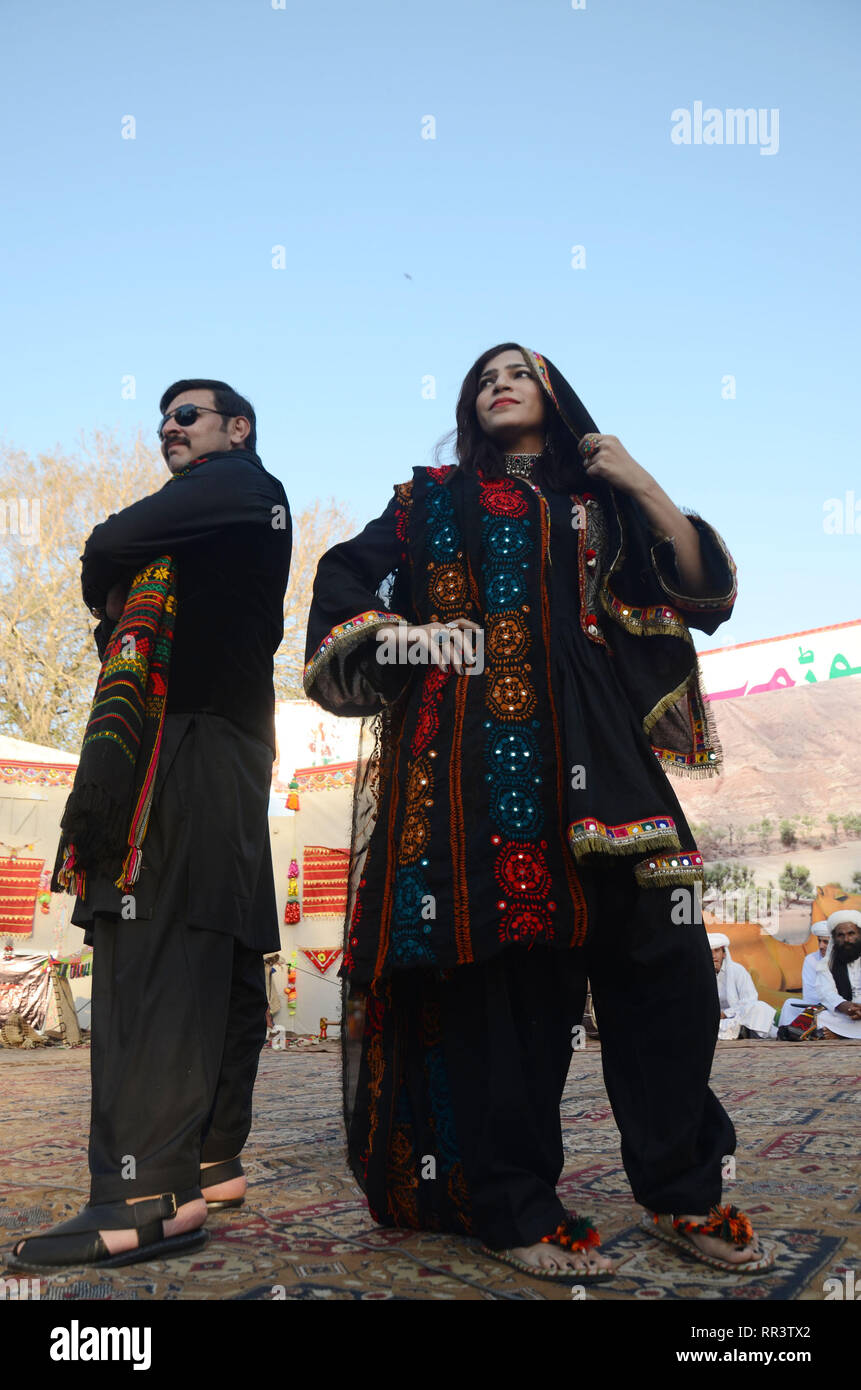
pixel 258 127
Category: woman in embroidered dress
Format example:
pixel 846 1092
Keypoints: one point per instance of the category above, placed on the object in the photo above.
pixel 514 830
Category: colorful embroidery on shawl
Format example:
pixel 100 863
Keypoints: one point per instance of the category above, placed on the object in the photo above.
pixel 448 589
pixel 626 838
pixel 411 927
pixel 692 763
pixel 389 778
pixel 411 924
pixel 443 534
pixel 127 718
pixel 404 494
pixel 591 548
pixel 457 833
pixel 502 497
pixel 662 871
pixel 402 1181
pixel 523 870
pixel 510 744
pixel 656 618
pixel 704 757
pixel 344 636
pixel 415 832
pixel 544 376
pixel 429 1134
pixel 427 720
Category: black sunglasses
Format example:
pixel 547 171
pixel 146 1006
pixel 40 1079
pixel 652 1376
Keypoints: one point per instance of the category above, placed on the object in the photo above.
pixel 186 415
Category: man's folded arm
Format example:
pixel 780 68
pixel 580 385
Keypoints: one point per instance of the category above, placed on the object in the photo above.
pixel 189 509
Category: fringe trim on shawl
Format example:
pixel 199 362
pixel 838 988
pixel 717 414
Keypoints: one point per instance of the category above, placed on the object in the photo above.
pixel 597 842
pixel 668 624
pixel 663 871
pixel 342 639
pixel 694 687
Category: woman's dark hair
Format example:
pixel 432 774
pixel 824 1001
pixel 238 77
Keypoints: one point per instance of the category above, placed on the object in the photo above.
pixel 228 403
pixel 559 468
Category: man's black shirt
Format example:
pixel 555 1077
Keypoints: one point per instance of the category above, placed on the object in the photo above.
pixel 227 524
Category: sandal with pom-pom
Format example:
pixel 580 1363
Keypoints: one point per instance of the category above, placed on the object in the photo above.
pixel 723 1223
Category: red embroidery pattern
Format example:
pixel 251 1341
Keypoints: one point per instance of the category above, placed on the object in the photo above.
pixel 522 869
pixel 502 497
pixel 427 722
pixel 526 924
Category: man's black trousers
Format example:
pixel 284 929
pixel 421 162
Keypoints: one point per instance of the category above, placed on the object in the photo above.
pixel 179 997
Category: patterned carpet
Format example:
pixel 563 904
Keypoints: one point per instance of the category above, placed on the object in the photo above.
pixel 304 1232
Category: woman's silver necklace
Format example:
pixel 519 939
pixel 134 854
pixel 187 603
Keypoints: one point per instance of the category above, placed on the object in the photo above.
pixel 521 465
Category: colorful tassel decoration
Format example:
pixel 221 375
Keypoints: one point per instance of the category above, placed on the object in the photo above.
pixel 292 910
pixel 290 991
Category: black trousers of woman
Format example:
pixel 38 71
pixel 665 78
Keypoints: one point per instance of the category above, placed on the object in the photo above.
pixel 508 1037
pixel 491 1114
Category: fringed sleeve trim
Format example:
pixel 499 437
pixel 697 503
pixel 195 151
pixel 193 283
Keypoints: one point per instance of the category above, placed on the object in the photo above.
pixel 343 638
pixel 589 836
pixel 664 871
pixel 644 619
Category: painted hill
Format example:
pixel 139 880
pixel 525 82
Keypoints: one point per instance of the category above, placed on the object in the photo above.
pixel 786 752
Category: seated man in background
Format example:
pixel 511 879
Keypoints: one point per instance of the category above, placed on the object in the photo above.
pixel 809 972
pixel 839 977
pixel 743 1013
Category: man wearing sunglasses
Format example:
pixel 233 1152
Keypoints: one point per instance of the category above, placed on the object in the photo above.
pixel 179 994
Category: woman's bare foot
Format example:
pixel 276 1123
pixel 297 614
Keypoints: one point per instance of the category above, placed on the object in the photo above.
pixel 189 1217
pixel 224 1191
pixel 554 1259
pixel 724 1249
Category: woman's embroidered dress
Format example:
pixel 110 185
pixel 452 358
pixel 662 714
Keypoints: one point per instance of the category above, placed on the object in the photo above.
pixel 478 795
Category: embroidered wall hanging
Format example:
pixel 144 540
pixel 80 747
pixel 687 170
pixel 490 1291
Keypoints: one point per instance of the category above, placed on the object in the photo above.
pixel 324 881
pixel 324 958
pixel 19 884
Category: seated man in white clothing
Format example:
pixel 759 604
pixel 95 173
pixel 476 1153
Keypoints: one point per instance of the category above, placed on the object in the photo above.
pixel 740 1006
pixel 809 972
pixel 839 977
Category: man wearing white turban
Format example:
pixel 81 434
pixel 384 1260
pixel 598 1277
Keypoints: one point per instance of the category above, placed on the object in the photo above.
pixel 740 1006
pixel 809 978
pixel 839 976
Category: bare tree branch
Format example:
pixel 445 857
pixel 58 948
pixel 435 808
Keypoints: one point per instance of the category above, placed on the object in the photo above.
pixel 48 507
